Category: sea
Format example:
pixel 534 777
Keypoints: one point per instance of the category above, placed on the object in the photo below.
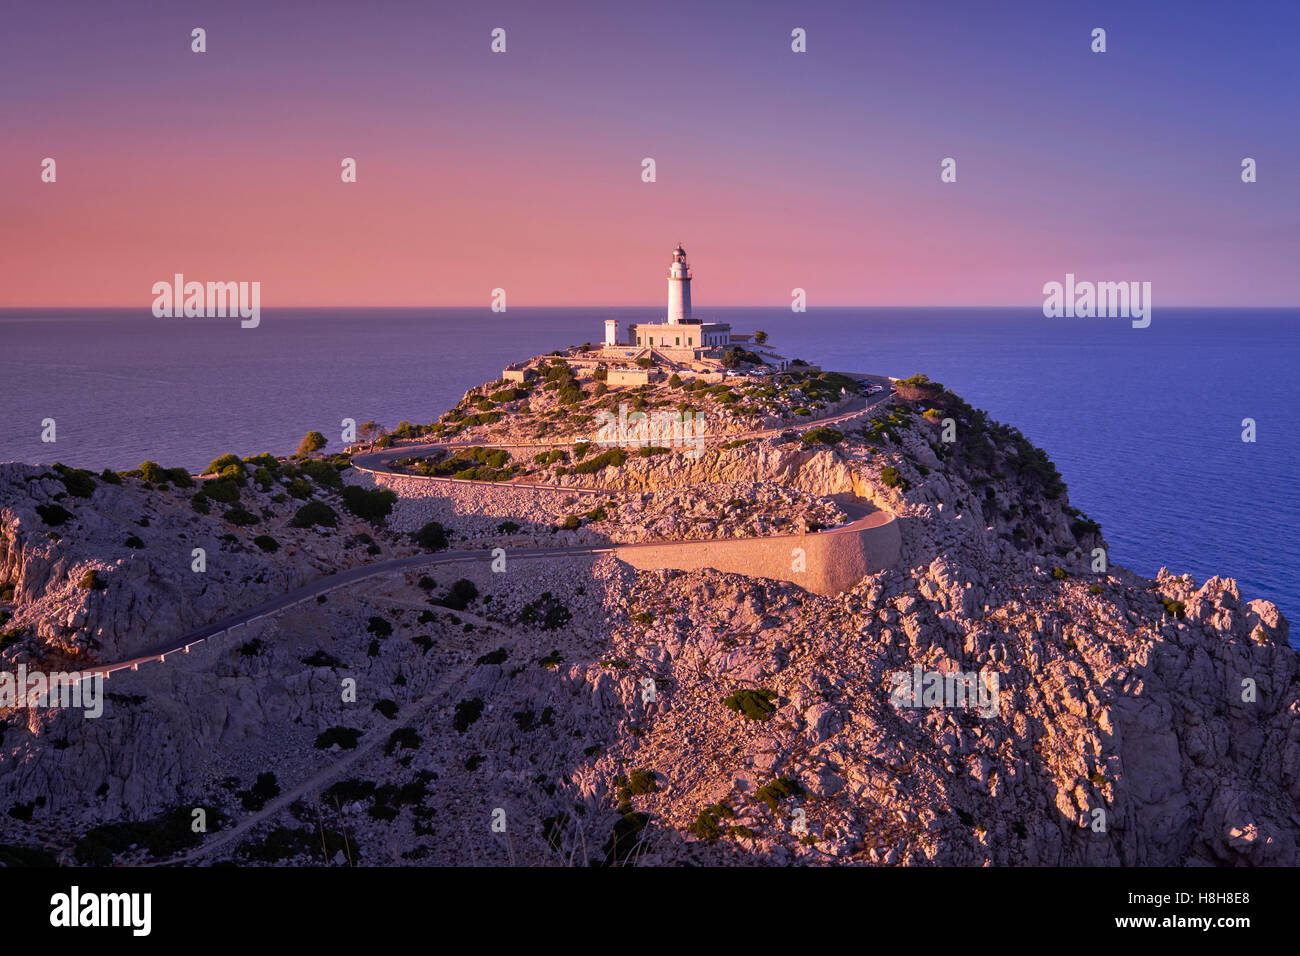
pixel 1145 425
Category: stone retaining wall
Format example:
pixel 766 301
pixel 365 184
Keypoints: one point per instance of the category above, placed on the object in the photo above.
pixel 832 561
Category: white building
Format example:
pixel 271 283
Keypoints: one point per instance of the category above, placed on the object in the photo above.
pixel 682 339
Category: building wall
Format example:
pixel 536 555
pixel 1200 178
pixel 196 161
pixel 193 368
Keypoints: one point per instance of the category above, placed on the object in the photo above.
pixel 666 335
pixel 627 376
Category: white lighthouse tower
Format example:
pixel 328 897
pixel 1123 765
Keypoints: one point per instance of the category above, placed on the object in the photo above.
pixel 682 339
pixel 679 287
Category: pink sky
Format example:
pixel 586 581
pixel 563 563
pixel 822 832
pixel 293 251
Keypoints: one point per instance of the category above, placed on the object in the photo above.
pixel 522 171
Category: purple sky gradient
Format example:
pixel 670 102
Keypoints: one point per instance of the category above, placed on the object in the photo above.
pixel 775 169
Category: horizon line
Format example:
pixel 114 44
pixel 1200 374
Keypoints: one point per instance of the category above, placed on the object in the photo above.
pixel 565 305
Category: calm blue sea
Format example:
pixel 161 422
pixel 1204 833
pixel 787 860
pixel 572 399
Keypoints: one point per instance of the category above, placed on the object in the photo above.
pixel 1145 424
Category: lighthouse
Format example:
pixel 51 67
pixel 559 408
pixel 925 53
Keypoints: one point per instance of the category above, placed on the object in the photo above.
pixel 679 287
pixel 682 342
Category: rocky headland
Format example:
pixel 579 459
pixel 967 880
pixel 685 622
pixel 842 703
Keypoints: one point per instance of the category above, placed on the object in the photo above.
pixel 497 707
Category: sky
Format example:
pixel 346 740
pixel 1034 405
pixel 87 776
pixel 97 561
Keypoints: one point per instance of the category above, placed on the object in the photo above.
pixel 523 170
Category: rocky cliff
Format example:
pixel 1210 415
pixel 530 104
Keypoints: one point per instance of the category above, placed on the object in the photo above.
pixel 571 709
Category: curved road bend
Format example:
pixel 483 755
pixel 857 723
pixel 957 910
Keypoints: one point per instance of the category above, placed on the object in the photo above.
pixel 375 462
pixel 306 592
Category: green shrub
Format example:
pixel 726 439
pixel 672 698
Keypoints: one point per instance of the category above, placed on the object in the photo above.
pixel 754 704
pixel 241 517
pixel 1174 608
pixel 822 435
pixel 223 490
pixel 315 513
pixel 373 505
pixel 111 477
pixel 547 613
pixel 311 443
pixel 300 488
pixel 706 826
pixel 162 836
pixel 641 782
pixel 1083 526
pixel 263 789
pixel 200 503
pixel 26 856
pixel 707 822
pixel 1060 574
pixel 53 515
pixel 778 790
pixel 483 418
pixel 379 627
pixel 467 711
pixel 891 478
pixel 321 659
pixel 323 472
pixel 483 473
pixel 404 738
pixel 612 458
pixel 345 737
pixel 151 471
pixel 133 542
pixel 460 595
pixel 79 483
pixel 227 466
pixel 267 543
pixel 265 460
pixel 431 537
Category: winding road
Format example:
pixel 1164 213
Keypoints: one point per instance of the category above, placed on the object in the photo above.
pixel 376 462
